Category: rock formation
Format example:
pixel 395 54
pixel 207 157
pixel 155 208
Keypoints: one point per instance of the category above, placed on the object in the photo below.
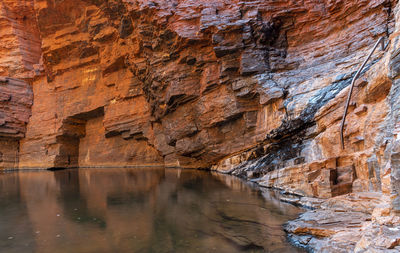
pixel 252 88
pixel 15 107
pixel 19 52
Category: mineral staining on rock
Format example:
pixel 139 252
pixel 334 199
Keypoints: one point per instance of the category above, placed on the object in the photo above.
pixel 251 88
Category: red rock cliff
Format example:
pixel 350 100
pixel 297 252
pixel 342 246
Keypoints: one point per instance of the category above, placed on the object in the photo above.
pixel 19 52
pixel 253 88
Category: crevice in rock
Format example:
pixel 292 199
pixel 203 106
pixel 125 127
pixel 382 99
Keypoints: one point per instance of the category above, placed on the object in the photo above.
pixel 72 130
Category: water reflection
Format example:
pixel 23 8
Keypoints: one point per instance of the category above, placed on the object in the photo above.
pixel 138 210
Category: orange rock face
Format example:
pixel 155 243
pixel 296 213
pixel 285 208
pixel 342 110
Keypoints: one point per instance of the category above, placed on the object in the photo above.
pixel 253 88
pixel 20 42
pixel 16 99
pixel 19 52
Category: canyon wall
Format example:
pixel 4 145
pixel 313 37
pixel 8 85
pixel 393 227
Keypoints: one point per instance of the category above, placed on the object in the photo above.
pixel 252 88
pixel 19 53
pixel 15 107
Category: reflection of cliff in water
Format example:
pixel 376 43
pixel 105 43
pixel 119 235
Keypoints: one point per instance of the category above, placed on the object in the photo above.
pixel 139 210
pixel 13 206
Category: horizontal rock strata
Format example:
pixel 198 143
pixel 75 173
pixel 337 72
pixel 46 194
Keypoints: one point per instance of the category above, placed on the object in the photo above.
pixel 15 106
pixel 350 223
pixel 252 88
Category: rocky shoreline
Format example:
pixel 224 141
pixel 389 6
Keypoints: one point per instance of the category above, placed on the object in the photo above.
pixel 355 222
pixel 256 89
pixel 351 223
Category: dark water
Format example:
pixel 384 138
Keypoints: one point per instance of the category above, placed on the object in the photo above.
pixel 138 210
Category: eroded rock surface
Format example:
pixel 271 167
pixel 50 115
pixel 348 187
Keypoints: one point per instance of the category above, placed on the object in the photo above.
pixel 302 155
pixel 252 88
pixel 19 52
pixel 348 223
pixel 189 83
pixel 16 99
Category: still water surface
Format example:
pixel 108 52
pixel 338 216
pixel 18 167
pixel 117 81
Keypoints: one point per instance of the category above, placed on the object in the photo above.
pixel 138 210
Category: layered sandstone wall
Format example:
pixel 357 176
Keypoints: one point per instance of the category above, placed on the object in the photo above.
pixel 192 81
pixel 20 42
pixel 369 161
pixel 252 88
pixel 19 53
pixel 15 109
